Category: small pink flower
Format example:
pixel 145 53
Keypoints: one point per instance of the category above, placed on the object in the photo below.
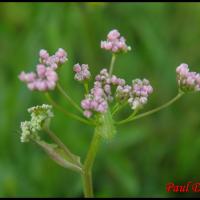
pixel 27 77
pixel 82 72
pixel 87 113
pixel 61 54
pixel 77 68
pixel 187 81
pixel 41 70
pixel 115 43
pixel 45 77
pixel 86 103
pixel 113 35
pixel 43 54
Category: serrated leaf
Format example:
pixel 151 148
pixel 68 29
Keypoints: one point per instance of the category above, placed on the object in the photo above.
pixel 57 155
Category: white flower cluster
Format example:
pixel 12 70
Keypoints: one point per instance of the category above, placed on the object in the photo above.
pixel 39 116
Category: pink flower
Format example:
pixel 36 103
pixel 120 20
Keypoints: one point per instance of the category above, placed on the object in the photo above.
pixel 187 81
pixel 41 70
pixel 27 77
pixel 139 93
pixel 82 72
pixel 87 113
pixel 60 57
pixel 115 43
pixel 45 77
pixel 136 95
pixel 113 35
pixel 43 54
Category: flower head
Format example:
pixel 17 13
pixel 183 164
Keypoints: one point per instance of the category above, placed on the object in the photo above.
pixel 115 43
pixel 40 116
pixel 82 72
pixel 139 93
pixel 45 77
pixel 187 81
pixel 108 82
pixel 60 57
pixel 136 95
pixel 123 92
pixel 95 101
pixel 101 93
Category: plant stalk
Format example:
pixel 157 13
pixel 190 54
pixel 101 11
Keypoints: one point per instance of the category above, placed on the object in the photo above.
pixel 68 98
pixel 88 164
pixel 112 64
pixel 68 114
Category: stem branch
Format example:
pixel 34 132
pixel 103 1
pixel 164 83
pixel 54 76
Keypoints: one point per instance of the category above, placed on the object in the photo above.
pixel 68 98
pixel 151 111
pixel 66 113
pixel 61 145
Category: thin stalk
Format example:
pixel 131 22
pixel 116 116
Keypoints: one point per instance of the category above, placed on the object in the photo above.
pixel 66 113
pixel 86 87
pixel 87 168
pixel 151 111
pixel 68 98
pixel 112 64
pixel 53 136
pixel 119 108
pixel 132 115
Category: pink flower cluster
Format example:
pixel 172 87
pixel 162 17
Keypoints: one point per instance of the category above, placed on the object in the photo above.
pixel 95 101
pixel 107 82
pixel 100 95
pixel 123 93
pixel 82 72
pixel 115 43
pixel 60 57
pixel 45 77
pixel 136 95
pixel 187 81
pixel 140 91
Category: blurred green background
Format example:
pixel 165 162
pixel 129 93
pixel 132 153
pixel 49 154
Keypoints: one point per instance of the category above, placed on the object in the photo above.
pixel 146 154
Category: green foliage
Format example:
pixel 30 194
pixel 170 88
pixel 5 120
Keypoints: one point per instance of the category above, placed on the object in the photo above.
pixel 145 154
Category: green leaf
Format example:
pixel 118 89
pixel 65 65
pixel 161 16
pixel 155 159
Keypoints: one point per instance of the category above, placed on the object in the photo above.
pixel 106 126
pixel 58 155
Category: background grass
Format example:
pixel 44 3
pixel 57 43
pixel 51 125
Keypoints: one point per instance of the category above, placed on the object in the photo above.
pixel 144 155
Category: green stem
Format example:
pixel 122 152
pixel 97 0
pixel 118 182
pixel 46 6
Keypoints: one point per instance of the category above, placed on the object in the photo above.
pixel 87 169
pixel 132 115
pixel 112 64
pixel 61 145
pixel 115 107
pixel 86 87
pixel 66 113
pixel 119 108
pixel 68 98
pixel 151 111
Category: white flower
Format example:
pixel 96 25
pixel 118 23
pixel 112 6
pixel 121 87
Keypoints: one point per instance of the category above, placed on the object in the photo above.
pixel 40 116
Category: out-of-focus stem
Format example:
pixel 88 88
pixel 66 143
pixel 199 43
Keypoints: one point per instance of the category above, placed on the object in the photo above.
pixel 119 107
pixel 86 87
